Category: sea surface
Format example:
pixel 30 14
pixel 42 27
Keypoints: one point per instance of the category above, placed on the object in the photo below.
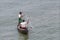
pixel 44 16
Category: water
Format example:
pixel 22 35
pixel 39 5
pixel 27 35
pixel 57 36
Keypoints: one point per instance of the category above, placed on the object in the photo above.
pixel 44 19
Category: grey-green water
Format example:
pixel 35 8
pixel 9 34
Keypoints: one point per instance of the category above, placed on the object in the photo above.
pixel 44 18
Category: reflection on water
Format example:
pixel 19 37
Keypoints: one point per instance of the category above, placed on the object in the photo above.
pixel 22 36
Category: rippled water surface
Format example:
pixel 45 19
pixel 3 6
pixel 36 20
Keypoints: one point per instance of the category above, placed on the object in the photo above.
pixel 44 19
